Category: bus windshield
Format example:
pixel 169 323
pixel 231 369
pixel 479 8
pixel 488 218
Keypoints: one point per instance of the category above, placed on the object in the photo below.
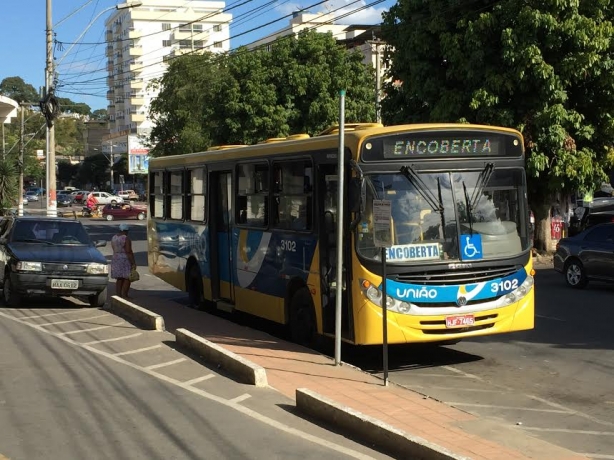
pixel 451 216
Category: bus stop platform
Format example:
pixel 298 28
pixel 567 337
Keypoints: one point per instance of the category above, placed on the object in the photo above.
pixel 290 367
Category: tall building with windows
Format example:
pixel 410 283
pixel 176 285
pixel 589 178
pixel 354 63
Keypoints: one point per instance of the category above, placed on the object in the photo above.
pixel 140 43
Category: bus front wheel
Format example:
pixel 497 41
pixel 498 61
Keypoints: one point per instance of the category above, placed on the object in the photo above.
pixel 195 287
pixel 302 318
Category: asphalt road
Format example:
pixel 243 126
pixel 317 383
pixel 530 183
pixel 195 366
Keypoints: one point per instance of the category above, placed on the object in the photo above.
pixel 81 383
pixel 555 382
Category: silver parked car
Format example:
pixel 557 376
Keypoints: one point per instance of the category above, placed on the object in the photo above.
pixel 587 256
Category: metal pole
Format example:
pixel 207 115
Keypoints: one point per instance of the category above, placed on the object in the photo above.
pixel 52 210
pixel 20 163
pixel 340 185
pixel 385 317
pixel 378 85
pixel 111 164
pixel 3 143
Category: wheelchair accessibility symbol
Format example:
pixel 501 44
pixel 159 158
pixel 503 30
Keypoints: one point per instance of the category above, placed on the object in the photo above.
pixel 471 246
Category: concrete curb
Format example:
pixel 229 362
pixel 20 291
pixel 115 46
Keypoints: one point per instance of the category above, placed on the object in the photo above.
pixel 144 318
pixel 243 369
pixel 369 429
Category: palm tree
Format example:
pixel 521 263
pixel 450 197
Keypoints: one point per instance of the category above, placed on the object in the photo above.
pixel 8 186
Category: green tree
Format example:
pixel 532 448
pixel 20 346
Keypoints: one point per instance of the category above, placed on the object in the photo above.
pixel 542 67
pixel 100 114
pixel 247 96
pixel 68 106
pixel 18 90
pixel 183 105
pixel 8 185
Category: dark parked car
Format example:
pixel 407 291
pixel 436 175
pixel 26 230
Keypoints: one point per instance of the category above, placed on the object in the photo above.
pixel 46 256
pixel 587 256
pixel 125 211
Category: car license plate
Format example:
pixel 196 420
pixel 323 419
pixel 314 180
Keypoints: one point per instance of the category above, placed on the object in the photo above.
pixel 64 284
pixel 460 321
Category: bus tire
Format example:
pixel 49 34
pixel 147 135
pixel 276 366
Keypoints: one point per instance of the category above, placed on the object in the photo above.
pixel 302 318
pixel 194 284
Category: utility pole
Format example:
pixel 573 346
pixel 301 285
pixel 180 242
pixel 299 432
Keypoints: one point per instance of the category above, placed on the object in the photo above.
pixel 20 162
pixel 52 210
pixel 378 78
pixel 111 167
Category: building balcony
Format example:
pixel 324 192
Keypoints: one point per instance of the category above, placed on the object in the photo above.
pixel 137 117
pixel 135 50
pixel 136 66
pixel 109 50
pixel 134 34
pixel 177 35
pixel 110 94
pixel 110 66
pixel 137 83
pixel 137 100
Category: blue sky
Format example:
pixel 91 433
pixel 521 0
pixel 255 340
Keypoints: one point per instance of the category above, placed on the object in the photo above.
pixel 23 37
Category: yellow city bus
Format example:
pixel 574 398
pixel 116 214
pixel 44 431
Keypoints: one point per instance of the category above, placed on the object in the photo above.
pixel 253 229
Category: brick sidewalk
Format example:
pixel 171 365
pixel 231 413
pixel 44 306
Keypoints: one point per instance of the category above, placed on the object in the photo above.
pixel 289 366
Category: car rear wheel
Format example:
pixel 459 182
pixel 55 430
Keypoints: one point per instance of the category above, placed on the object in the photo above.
pixel 109 217
pixel 575 275
pixel 140 216
pixel 98 301
pixel 9 295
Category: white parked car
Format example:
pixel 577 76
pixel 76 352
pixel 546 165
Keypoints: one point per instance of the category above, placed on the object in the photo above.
pixel 128 194
pixel 107 198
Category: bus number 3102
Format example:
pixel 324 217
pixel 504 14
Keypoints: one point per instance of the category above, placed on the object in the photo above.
pixel 288 245
pixel 507 285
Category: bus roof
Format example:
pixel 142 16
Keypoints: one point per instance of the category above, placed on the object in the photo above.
pixel 327 140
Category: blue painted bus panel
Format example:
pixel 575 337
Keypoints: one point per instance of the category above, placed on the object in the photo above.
pixel 486 290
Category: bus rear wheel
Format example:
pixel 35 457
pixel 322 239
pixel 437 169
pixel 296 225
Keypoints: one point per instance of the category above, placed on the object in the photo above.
pixel 195 287
pixel 302 318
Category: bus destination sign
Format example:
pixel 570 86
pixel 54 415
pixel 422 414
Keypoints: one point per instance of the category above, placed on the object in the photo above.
pixel 457 146
pixel 437 144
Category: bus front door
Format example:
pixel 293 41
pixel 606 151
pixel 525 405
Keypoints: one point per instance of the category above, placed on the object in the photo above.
pixel 327 206
pixel 222 282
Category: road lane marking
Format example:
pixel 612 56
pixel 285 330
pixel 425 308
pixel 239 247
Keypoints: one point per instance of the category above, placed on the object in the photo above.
pixel 51 314
pixel 139 350
pixel 476 390
pixel 205 394
pixel 116 339
pixel 73 320
pixel 169 363
pixel 494 406
pixel 598 456
pixel 198 379
pixel 566 430
pixel 97 328
pixel 241 398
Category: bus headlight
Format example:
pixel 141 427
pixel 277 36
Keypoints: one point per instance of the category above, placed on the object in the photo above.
pixel 519 292
pixel 375 295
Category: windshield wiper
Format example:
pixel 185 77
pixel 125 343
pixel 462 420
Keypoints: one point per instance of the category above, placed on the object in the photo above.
pixel 421 187
pixel 483 179
pixel 32 240
pixel 468 209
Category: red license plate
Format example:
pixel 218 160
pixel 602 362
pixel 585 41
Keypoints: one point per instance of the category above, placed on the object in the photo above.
pixel 460 321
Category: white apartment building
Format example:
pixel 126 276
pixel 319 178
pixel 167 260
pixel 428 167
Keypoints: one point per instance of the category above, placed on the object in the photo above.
pixel 140 42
